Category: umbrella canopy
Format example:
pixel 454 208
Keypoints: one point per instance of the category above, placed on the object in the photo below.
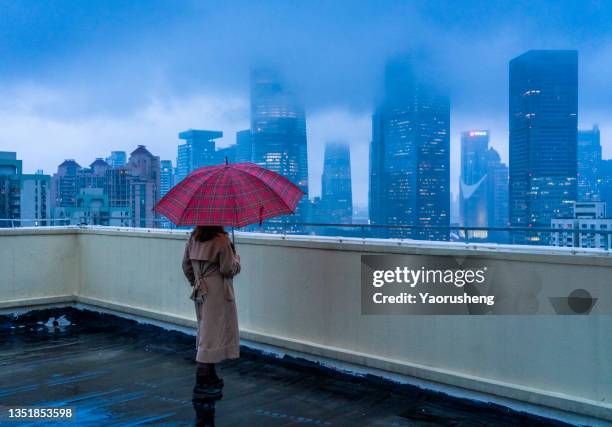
pixel 234 194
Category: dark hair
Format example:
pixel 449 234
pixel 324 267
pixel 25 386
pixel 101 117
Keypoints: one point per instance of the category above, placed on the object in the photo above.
pixel 203 233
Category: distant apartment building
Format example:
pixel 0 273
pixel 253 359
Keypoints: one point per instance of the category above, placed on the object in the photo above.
pixel 10 189
pixel 197 151
pixel 94 176
pixel 65 184
pixel 36 200
pixel 589 161
pixel 105 195
pixel 543 118
pixel 70 179
pixel 144 179
pixel 92 208
pixel 588 218
pixel 25 199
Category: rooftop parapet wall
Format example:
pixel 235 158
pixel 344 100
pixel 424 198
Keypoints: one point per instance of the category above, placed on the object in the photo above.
pixel 304 294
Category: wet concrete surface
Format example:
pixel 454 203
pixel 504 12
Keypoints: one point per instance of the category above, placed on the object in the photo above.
pixel 117 372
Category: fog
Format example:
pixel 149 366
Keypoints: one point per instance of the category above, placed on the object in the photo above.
pixel 79 79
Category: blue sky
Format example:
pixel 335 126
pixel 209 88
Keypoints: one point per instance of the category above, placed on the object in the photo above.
pixel 78 79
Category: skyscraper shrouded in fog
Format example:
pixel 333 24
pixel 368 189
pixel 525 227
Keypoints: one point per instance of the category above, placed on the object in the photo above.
pixel 410 156
pixel 589 160
pixel 336 191
pixel 278 133
pixel 543 117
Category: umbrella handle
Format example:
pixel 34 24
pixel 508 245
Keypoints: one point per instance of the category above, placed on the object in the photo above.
pixel 233 239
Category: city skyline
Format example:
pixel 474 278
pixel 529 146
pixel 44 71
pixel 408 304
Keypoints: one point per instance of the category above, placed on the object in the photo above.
pixel 129 88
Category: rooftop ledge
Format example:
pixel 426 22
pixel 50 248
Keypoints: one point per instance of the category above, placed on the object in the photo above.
pixel 302 294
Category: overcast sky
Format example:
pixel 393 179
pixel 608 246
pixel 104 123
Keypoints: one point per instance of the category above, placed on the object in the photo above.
pixel 81 78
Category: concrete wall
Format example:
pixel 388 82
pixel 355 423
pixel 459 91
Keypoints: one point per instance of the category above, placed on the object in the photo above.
pixel 38 266
pixel 304 295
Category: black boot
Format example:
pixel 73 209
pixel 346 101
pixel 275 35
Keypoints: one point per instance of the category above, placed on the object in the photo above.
pixel 208 384
pixel 208 388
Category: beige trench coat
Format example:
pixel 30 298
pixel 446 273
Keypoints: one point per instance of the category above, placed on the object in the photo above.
pixel 209 267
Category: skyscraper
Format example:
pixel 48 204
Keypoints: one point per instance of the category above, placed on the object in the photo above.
pixel 197 151
pixel 543 125
pixel 278 133
pixel 473 185
pixel 117 159
pixel 497 197
pixel 166 182
pixel 483 187
pixel 410 156
pixel 604 182
pixel 589 159
pixel 336 192
pixel 244 146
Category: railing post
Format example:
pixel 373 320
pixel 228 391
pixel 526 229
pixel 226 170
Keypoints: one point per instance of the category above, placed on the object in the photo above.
pixel 576 238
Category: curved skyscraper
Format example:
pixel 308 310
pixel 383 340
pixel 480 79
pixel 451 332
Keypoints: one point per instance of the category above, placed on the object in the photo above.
pixel 473 185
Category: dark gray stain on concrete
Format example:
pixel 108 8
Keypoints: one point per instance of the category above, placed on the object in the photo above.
pixel 117 372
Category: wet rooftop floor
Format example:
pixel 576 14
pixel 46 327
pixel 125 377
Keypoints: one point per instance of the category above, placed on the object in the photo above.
pixel 117 372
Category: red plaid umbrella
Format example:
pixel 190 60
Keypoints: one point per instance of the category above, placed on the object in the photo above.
pixel 234 195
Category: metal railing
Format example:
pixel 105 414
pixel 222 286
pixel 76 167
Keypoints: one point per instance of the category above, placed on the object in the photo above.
pixel 558 237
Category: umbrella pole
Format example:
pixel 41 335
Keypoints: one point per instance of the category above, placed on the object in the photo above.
pixel 233 238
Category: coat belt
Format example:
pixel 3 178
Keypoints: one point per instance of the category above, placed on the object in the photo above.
pixel 202 285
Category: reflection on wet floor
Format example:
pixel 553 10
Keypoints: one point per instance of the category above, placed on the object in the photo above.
pixel 118 372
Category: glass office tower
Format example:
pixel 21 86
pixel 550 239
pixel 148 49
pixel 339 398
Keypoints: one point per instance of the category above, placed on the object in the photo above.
pixel 278 134
pixel 336 192
pixel 410 157
pixel 589 159
pixel 197 151
pixel 543 126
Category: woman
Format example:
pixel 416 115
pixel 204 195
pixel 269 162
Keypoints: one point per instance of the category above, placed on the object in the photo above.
pixel 209 263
